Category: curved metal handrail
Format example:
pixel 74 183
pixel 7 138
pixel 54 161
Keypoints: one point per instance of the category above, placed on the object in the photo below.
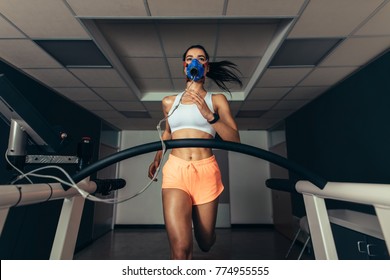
pixel 208 143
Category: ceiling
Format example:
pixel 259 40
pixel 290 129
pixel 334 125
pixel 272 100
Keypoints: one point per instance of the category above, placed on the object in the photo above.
pixel 119 58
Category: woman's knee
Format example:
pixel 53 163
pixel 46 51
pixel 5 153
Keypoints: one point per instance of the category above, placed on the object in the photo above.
pixel 181 251
pixel 205 242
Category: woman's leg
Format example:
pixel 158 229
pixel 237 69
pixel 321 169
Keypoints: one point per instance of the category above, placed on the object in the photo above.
pixel 204 217
pixel 177 208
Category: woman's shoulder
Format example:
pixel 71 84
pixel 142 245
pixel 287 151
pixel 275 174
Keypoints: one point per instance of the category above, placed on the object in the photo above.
pixel 168 101
pixel 218 97
pixel 170 98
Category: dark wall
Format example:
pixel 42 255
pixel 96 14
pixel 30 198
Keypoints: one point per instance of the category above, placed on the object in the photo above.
pixel 344 135
pixel 29 230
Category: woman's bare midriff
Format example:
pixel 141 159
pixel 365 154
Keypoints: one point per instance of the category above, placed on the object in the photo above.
pixel 190 154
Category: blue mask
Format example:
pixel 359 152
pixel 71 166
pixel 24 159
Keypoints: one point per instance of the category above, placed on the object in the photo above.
pixel 195 70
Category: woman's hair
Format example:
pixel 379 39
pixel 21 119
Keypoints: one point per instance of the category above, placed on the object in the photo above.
pixel 221 71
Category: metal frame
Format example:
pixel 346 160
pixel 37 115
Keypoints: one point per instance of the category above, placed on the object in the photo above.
pixel 377 195
pixel 70 217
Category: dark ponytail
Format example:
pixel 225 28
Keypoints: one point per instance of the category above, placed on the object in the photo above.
pixel 221 71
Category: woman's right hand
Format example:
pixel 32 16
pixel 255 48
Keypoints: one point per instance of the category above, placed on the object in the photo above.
pixel 152 169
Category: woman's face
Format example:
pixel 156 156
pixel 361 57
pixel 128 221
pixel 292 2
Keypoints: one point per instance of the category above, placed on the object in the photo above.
pixel 199 55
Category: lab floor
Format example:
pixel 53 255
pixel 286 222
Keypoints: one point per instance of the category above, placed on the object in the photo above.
pixel 242 243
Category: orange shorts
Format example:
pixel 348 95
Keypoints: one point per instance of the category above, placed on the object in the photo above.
pixel 200 179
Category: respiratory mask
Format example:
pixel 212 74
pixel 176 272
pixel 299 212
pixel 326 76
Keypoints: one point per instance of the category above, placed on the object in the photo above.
pixel 195 70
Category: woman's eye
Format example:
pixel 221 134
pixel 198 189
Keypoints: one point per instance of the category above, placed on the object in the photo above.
pixel 200 59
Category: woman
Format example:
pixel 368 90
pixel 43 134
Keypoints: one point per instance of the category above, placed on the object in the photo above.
pixel 191 176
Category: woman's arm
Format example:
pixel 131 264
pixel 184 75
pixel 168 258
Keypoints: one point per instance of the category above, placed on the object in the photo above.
pixel 166 135
pixel 226 127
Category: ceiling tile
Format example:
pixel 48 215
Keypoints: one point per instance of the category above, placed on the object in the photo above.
pixel 43 18
pixel 116 94
pixel 232 36
pixel 186 8
pixel 290 104
pixel 95 105
pixel 136 114
pixel 7 30
pixel 78 94
pixel 98 77
pixel 268 93
pixel 117 119
pixel 104 8
pixel 178 35
pixel 263 7
pixel 332 18
pixel 55 77
pixel 108 114
pixel 305 92
pixel 141 67
pixel 283 77
pixel 357 51
pixel 278 114
pixel 176 68
pixel 24 53
pixel 258 105
pixel 157 115
pixel 154 85
pixel 119 122
pixel 153 106
pixel 378 24
pixel 127 106
pixel 327 76
pixel 131 38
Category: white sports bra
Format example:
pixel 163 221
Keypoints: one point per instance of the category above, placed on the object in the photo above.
pixel 188 116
